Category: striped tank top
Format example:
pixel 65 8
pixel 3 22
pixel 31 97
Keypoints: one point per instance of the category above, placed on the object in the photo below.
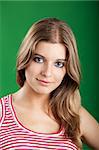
pixel 14 136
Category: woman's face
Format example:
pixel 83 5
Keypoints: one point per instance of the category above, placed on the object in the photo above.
pixel 47 69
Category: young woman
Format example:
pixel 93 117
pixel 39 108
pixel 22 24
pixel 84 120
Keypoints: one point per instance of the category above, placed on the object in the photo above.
pixel 46 112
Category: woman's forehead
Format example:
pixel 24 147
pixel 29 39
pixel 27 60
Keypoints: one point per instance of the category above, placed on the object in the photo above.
pixel 51 50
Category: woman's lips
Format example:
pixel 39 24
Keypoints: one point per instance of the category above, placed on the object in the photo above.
pixel 43 82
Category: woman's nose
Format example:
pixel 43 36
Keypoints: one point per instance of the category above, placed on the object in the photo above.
pixel 47 70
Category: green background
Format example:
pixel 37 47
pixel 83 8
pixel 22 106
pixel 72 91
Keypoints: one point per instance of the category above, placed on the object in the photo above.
pixel 17 16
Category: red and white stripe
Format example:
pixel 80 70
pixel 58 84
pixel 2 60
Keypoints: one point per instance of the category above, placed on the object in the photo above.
pixel 14 136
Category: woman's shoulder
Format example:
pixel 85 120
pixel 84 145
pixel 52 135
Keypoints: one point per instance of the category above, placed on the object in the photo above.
pixel 85 115
pixel 89 128
pixel 86 119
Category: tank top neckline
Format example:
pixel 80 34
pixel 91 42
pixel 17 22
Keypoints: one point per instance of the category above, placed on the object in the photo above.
pixel 57 133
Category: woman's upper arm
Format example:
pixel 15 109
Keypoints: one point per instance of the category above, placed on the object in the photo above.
pixel 89 129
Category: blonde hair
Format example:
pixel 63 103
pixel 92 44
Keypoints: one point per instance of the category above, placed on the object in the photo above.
pixel 65 100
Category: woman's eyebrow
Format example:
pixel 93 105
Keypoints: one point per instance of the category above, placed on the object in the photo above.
pixel 38 55
pixel 60 59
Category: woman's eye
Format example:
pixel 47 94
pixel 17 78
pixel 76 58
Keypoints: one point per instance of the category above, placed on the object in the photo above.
pixel 59 64
pixel 38 59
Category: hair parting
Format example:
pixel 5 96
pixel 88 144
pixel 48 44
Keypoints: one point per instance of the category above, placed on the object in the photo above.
pixel 65 100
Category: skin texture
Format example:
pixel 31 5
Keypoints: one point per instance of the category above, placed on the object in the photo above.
pixel 44 74
pixel 89 128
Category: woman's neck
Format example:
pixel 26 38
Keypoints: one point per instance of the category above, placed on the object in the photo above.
pixel 31 99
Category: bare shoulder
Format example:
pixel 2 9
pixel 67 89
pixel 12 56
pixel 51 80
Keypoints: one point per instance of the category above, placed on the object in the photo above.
pixel 89 128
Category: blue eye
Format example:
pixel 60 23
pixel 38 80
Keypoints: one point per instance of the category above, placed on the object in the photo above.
pixel 38 59
pixel 59 64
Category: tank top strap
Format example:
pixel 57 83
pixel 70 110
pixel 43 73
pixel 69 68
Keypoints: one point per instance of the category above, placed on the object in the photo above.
pixel 5 108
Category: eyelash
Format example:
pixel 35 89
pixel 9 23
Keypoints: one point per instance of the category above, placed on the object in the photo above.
pixel 37 59
pixel 60 64
pixel 41 60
